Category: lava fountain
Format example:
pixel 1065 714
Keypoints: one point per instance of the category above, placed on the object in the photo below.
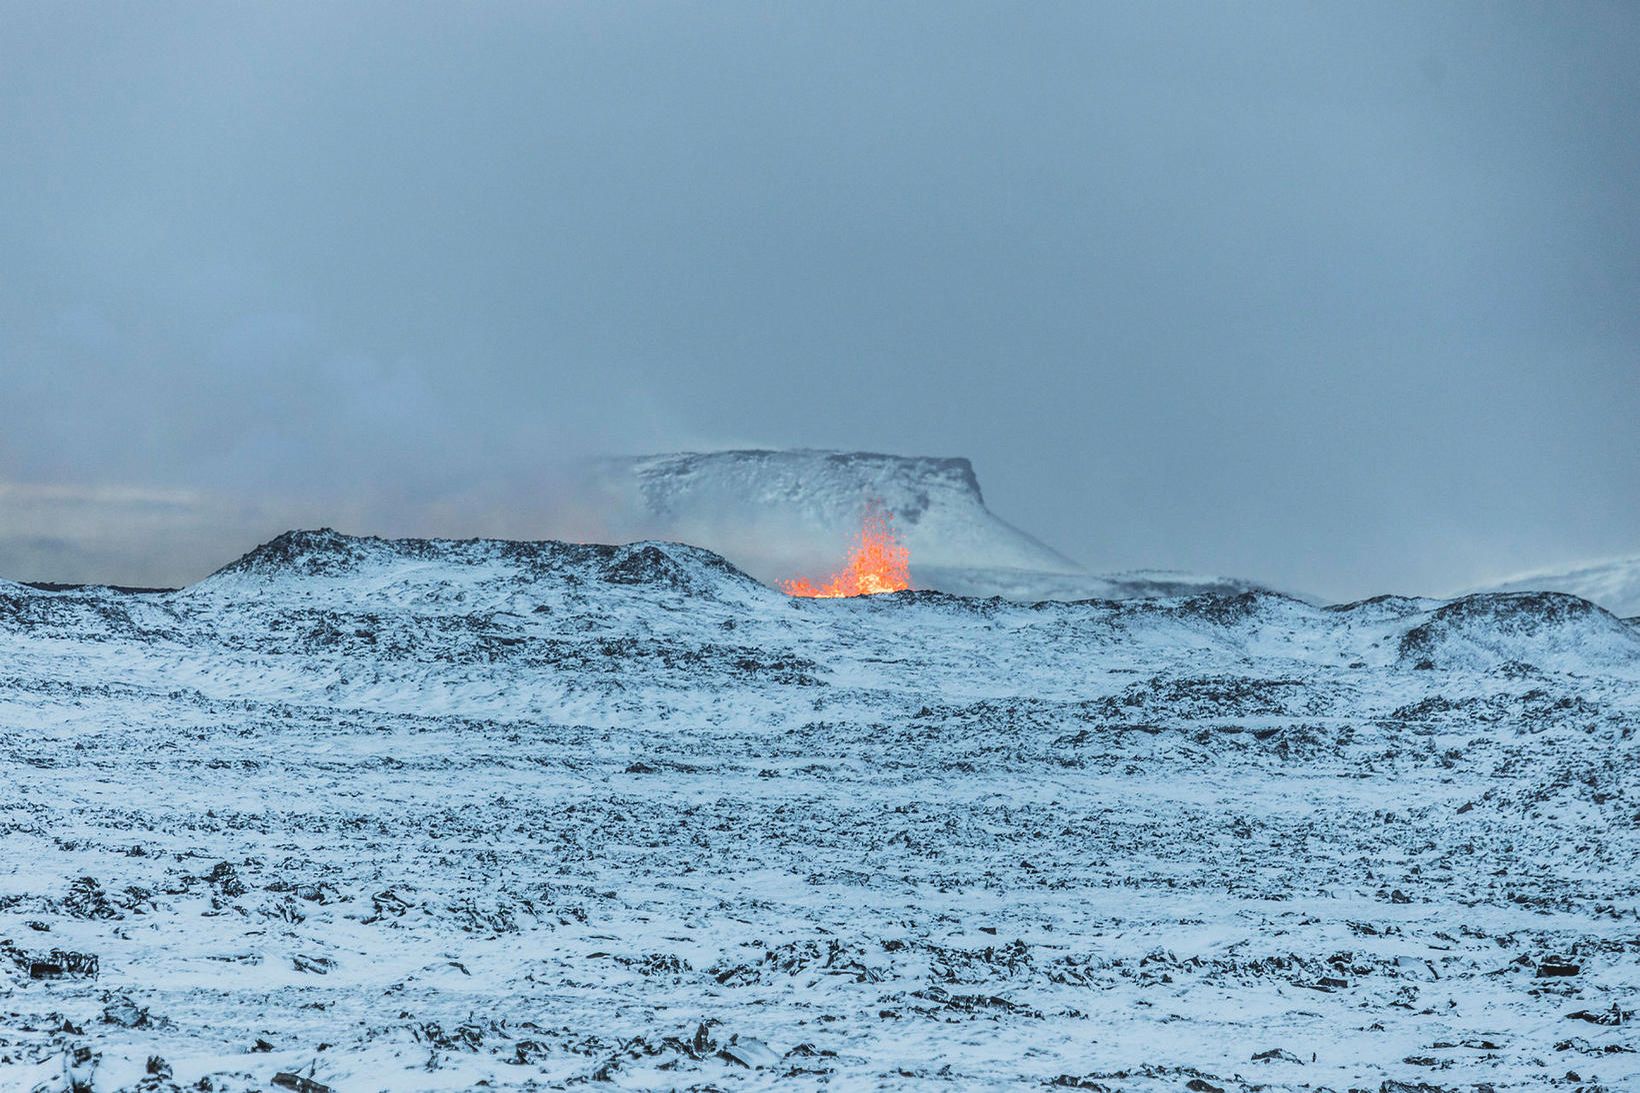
pixel 878 563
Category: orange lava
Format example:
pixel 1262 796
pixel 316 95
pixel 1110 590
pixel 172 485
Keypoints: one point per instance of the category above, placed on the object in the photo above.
pixel 879 563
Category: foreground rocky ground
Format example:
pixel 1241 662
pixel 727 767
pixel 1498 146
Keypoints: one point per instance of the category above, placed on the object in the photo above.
pixel 357 815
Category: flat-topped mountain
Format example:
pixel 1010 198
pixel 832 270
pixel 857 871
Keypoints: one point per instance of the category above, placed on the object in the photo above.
pixel 783 513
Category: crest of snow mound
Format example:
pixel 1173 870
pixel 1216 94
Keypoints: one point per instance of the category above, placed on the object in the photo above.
pixel 324 552
pixel 1550 630
pixel 1614 585
pixel 365 566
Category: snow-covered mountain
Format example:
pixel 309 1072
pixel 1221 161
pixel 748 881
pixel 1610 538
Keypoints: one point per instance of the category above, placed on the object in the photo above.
pixel 435 815
pixel 778 514
pixel 1614 585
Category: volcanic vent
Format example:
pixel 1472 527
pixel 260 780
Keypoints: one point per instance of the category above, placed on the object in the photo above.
pixel 878 563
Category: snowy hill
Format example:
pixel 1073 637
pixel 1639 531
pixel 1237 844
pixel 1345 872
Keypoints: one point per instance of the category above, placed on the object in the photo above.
pixel 782 513
pixel 432 814
pixel 1614 585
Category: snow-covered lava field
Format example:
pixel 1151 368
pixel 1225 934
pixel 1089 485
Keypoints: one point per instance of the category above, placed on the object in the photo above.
pixel 355 814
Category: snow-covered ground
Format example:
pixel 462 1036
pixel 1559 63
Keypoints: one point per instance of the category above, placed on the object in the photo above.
pixel 418 815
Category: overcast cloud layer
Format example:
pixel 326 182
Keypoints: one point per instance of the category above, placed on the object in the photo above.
pixel 1345 298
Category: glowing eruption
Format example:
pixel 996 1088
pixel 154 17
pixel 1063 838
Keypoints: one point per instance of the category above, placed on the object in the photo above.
pixel 879 563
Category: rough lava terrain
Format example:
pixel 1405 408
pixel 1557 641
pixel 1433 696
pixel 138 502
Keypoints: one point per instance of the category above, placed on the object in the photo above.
pixel 355 814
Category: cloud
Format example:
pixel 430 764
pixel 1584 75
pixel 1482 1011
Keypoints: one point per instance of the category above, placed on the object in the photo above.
pixel 1334 297
pixel 34 494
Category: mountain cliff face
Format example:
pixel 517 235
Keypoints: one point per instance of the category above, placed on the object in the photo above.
pixel 784 513
pixel 423 814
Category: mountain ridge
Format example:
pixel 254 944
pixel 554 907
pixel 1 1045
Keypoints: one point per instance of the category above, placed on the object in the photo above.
pixel 1553 631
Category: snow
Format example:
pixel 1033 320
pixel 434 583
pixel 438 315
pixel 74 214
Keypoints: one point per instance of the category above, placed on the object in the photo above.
pixel 1614 584
pixel 420 815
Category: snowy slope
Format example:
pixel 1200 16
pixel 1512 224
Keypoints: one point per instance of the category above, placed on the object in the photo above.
pixel 1614 585
pixel 784 513
pixel 1030 586
pixel 422 814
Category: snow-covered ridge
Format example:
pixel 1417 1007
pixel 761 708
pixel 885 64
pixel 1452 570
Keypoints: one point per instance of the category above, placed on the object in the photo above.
pixel 326 553
pixel 1549 626
pixel 1614 584
pixel 647 584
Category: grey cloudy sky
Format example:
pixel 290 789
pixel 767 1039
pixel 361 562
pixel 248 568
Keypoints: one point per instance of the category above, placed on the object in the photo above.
pixel 1341 297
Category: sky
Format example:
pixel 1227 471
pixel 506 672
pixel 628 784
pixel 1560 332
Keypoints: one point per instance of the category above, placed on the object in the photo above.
pixel 1343 298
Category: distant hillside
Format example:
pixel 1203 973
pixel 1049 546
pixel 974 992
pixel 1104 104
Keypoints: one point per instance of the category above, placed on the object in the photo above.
pixel 1614 585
